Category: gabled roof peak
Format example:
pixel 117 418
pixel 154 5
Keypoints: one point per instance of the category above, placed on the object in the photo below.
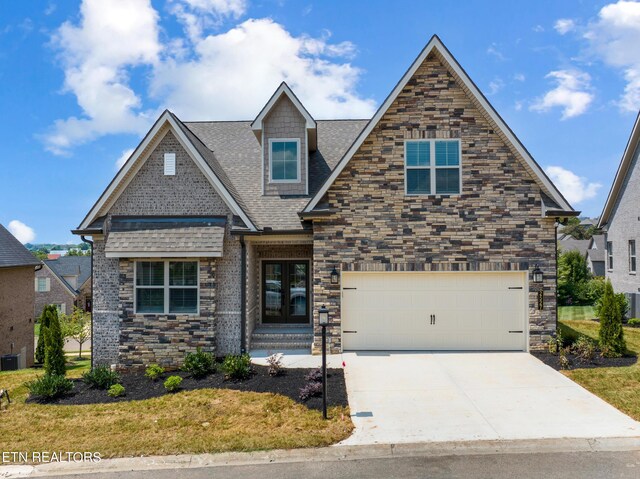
pixel 283 89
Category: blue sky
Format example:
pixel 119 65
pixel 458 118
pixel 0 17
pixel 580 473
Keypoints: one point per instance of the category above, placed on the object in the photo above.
pixel 81 82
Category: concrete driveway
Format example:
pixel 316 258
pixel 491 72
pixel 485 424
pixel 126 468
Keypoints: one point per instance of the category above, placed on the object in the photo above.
pixel 414 397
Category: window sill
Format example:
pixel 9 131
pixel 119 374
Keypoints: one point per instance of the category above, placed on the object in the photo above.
pixel 275 182
pixel 429 195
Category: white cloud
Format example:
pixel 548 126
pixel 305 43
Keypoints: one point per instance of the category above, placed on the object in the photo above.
pixel 615 37
pixel 519 77
pixel 574 188
pixel 234 73
pixel 495 86
pixel 96 54
pixel 572 93
pixel 493 51
pixel 123 158
pixel 200 75
pixel 564 25
pixel 22 232
pixel 538 29
pixel 518 105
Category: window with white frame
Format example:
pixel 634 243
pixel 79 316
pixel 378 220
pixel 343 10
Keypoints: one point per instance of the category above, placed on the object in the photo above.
pixel 432 167
pixel 284 157
pixel 42 285
pixel 166 287
pixel 609 255
pixel 632 256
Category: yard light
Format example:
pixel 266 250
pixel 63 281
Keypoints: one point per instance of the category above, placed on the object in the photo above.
pixel 334 276
pixel 323 319
pixel 537 275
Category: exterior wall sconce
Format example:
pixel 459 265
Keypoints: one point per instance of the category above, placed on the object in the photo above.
pixel 334 276
pixel 537 275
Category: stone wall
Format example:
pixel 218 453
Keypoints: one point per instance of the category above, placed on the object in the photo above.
pixel 495 224
pixel 285 121
pixel 17 295
pixel 165 339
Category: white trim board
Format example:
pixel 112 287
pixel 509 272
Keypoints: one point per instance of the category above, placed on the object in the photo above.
pixel 283 89
pixel 134 163
pixel 435 44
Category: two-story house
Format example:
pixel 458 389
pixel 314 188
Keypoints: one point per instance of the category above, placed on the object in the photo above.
pixel 419 229
pixel 64 282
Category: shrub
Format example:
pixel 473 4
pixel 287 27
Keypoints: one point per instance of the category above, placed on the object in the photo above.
pixel 595 288
pixel 154 371
pixel 623 304
pixel 44 320
pixel 275 364
pixel 554 344
pixel 611 333
pixel 116 391
pixel 573 277
pixel 199 364
pixel 54 359
pixel 49 387
pixel 172 384
pixel 311 389
pixel 564 360
pixel 584 348
pixel 237 366
pixel 101 377
pixel 315 375
pixel 634 322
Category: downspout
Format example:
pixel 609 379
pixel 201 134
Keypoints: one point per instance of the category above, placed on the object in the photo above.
pixel 556 260
pixel 243 295
pixel 90 243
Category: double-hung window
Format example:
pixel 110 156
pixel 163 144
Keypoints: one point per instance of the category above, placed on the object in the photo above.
pixel 284 160
pixel 609 255
pixel 166 287
pixel 632 256
pixel 432 167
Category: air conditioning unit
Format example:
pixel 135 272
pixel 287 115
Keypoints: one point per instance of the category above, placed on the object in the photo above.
pixel 9 362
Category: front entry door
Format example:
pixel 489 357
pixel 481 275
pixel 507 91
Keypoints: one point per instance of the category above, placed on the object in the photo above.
pixel 285 292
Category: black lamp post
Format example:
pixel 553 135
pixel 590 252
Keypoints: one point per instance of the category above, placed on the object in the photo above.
pixel 323 320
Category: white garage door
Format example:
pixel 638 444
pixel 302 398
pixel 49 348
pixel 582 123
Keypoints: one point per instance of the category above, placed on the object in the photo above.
pixel 434 311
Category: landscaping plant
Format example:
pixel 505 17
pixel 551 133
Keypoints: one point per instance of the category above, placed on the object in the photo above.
pixel 54 358
pixel 619 298
pixel 172 384
pixel 275 364
pixel 237 366
pixel 44 320
pixel 199 364
pixel 634 322
pixel 315 375
pixel 49 387
pixel 116 391
pixel 611 333
pixel 154 371
pixel 311 389
pixel 584 348
pixel 101 377
pixel 77 326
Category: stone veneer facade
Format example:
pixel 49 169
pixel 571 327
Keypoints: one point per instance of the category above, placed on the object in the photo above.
pixel 285 121
pixel 495 224
pixel 151 193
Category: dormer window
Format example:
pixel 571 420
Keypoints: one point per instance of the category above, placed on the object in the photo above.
pixel 284 157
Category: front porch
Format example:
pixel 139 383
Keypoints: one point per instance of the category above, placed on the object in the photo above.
pixel 279 293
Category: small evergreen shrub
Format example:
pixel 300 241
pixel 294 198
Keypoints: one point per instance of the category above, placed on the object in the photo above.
pixel 237 366
pixel 311 389
pixel 116 391
pixel 154 371
pixel 634 322
pixel 44 321
pixel 101 377
pixel 199 364
pixel 315 375
pixel 54 358
pixel 275 364
pixel 611 333
pixel 172 384
pixel 49 387
pixel 619 298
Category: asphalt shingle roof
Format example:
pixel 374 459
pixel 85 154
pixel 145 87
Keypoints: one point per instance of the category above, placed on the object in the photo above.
pixel 79 266
pixel 237 151
pixel 13 253
pixel 571 244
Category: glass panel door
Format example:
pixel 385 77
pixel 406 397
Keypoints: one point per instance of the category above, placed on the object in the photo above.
pixel 285 292
pixel 298 286
pixel 273 293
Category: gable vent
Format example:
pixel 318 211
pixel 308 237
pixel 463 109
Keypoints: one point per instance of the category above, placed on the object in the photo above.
pixel 169 164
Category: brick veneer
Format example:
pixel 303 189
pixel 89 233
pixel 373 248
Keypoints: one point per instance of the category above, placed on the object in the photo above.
pixel 17 295
pixel 494 225
pixel 165 339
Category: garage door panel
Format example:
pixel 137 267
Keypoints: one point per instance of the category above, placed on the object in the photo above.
pixel 474 311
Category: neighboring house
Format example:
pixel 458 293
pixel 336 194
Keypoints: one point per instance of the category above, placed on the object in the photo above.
pixel 17 266
pixel 65 282
pixel 596 255
pixel 620 221
pixel 568 243
pixel 418 229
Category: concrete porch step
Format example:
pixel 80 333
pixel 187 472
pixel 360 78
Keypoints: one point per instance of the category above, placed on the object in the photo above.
pixel 277 345
pixel 282 337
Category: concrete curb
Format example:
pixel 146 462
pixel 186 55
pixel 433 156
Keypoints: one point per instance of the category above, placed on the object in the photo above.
pixel 327 454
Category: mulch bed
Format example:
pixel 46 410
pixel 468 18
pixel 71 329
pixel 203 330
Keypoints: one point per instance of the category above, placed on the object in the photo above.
pixel 575 362
pixel 288 383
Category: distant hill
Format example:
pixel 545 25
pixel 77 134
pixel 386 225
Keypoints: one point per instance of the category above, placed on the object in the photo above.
pixel 49 247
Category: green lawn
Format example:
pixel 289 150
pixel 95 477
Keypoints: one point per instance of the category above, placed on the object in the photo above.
pixel 575 313
pixel 618 386
pixel 205 420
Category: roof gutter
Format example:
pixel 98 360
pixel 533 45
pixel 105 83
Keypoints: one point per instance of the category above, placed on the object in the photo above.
pixel 90 243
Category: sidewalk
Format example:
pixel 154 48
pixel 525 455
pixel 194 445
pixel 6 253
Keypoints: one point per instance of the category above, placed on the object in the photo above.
pixel 327 454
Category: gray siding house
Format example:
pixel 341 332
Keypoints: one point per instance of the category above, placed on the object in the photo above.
pixel 418 229
pixel 620 221
pixel 596 255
